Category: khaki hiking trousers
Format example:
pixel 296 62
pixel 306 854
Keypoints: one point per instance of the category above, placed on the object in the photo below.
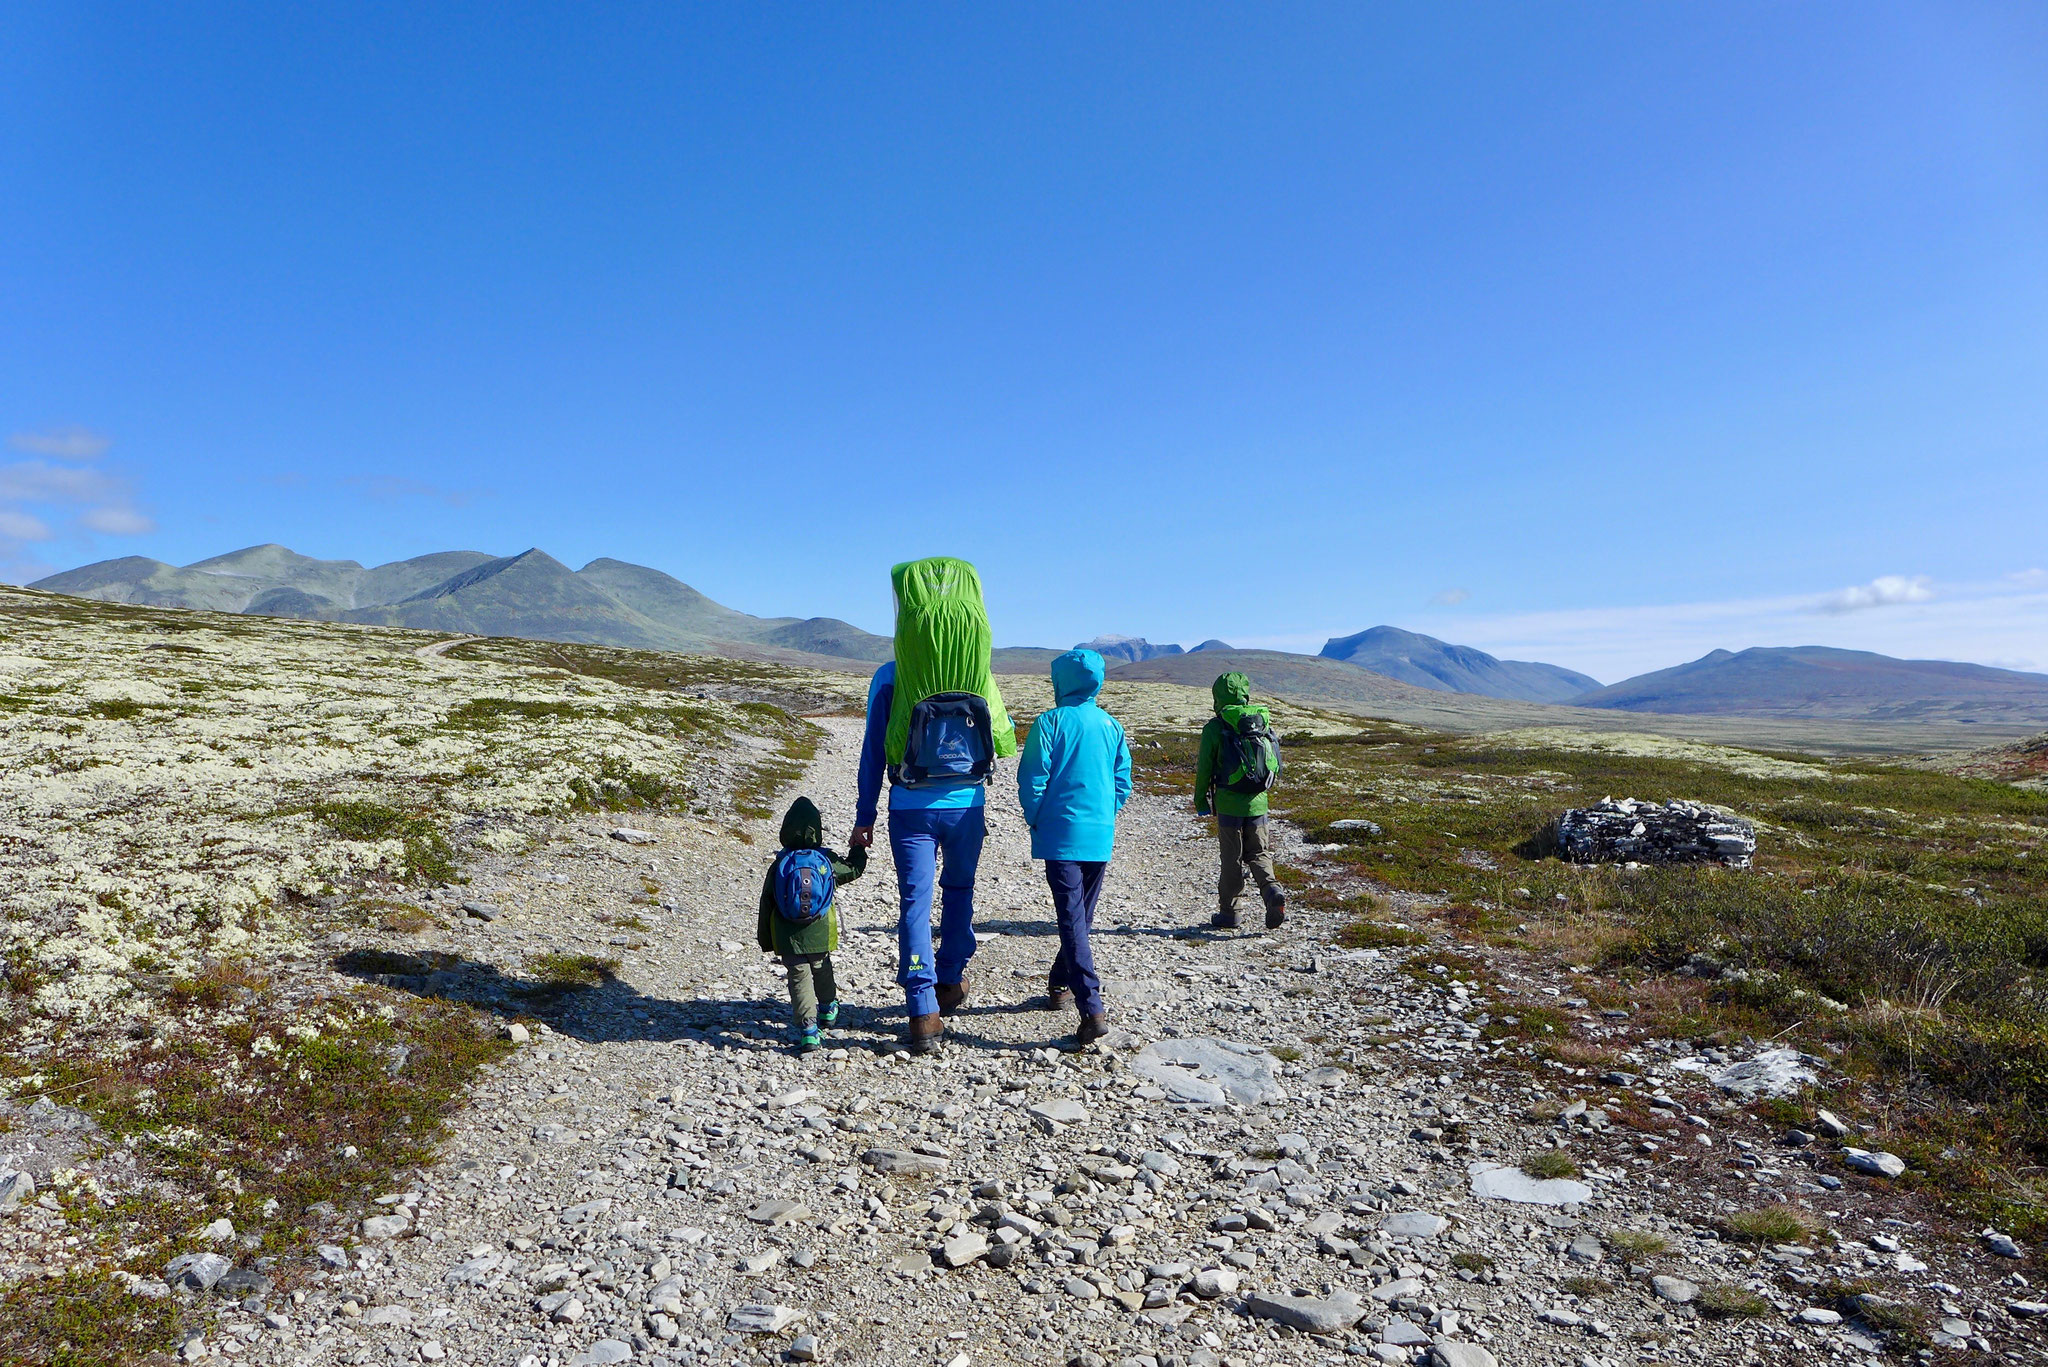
pixel 1246 842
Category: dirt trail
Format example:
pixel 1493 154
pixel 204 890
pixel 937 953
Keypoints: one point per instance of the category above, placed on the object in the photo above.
pixel 657 1160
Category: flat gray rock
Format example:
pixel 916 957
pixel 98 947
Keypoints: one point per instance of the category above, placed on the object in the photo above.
pixel 1774 1072
pixel 1874 1164
pixel 756 1318
pixel 1056 1114
pixel 1204 1071
pixel 1448 1354
pixel 1676 1290
pixel 778 1212
pixel 1331 1314
pixel 903 1163
pixel 16 1187
pixel 1497 1182
pixel 1414 1224
pixel 1397 1289
pixel 963 1248
pixel 379 1227
pixel 602 1353
pixel 198 1271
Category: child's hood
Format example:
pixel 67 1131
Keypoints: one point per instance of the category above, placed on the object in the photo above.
pixel 802 827
pixel 1231 690
pixel 1076 677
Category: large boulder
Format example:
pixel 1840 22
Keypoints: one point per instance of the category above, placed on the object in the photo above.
pixel 1625 831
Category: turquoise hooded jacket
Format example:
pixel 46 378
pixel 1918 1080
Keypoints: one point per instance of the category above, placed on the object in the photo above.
pixel 1075 775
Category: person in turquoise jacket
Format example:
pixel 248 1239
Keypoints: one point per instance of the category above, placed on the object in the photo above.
pixel 1075 776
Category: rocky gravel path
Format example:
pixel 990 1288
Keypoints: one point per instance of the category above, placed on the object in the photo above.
pixel 653 1177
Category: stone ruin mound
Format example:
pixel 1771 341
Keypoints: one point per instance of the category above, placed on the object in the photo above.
pixel 1627 831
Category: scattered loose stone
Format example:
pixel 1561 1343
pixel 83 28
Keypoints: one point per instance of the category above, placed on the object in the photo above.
pixel 1498 1182
pixel 381 1227
pixel 1414 1224
pixel 631 836
pixel 1331 1314
pixel 756 1318
pixel 1448 1354
pixel 1677 1290
pixel 197 1271
pixel 1875 1164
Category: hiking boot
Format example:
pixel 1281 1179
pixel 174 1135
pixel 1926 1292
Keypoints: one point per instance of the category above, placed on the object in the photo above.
pixel 828 1014
pixel 1092 1028
pixel 1057 998
pixel 952 996
pixel 808 1040
pixel 1276 913
pixel 923 1034
pixel 1223 920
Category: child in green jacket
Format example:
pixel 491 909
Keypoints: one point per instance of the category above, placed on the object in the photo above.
pixel 804 932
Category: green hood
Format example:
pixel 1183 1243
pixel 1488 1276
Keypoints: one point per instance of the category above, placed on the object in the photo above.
pixel 1230 690
pixel 802 827
pixel 942 646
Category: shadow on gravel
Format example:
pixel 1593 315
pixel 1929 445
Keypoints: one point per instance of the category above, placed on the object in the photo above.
pixel 608 1010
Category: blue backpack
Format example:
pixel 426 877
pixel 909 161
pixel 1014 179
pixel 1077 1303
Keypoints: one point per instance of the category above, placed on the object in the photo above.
pixel 951 742
pixel 803 885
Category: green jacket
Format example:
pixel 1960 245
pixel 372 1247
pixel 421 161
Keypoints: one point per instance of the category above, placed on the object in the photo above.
pixel 804 829
pixel 1233 695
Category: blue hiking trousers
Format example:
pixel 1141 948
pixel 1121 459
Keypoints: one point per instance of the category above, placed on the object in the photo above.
pixel 946 842
pixel 1076 886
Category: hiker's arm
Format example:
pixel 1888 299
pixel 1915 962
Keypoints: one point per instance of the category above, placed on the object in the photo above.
pixel 1123 769
pixel 853 866
pixel 1031 770
pixel 764 929
pixel 874 761
pixel 1002 735
pixel 1205 771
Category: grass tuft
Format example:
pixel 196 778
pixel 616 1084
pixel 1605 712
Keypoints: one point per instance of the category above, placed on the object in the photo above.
pixel 1549 1164
pixel 1776 1224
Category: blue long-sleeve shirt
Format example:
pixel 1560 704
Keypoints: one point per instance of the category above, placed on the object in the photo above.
pixel 874 763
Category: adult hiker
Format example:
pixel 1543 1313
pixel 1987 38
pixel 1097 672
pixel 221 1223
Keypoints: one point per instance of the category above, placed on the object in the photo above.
pixel 1237 767
pixel 1074 778
pixel 936 726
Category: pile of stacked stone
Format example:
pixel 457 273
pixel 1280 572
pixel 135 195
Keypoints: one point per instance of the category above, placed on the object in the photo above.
pixel 1627 831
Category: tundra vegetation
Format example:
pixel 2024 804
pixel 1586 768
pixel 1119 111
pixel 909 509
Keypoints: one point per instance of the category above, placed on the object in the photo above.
pixel 1895 924
pixel 201 805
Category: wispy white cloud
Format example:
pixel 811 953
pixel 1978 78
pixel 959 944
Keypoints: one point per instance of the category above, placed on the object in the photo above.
pixel 65 443
pixel 38 481
pixel 116 520
pixel 1449 598
pixel 1885 591
pixel 54 489
pixel 19 526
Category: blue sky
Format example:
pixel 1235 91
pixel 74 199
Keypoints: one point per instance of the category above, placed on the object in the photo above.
pixel 1600 334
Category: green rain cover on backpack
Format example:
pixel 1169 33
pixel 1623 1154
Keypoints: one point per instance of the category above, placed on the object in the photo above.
pixel 942 646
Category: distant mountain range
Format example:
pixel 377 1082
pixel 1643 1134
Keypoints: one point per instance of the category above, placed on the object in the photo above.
pixel 610 602
pixel 532 594
pixel 1429 663
pixel 1819 681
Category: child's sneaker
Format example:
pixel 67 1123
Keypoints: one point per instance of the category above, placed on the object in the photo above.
pixel 828 1014
pixel 808 1040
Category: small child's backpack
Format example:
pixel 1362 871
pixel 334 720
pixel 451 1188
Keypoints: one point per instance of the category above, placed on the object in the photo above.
pixel 951 742
pixel 803 885
pixel 1250 752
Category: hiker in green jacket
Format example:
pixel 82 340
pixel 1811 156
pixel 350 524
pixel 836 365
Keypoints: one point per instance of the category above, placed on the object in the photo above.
pixel 1237 767
pixel 800 918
